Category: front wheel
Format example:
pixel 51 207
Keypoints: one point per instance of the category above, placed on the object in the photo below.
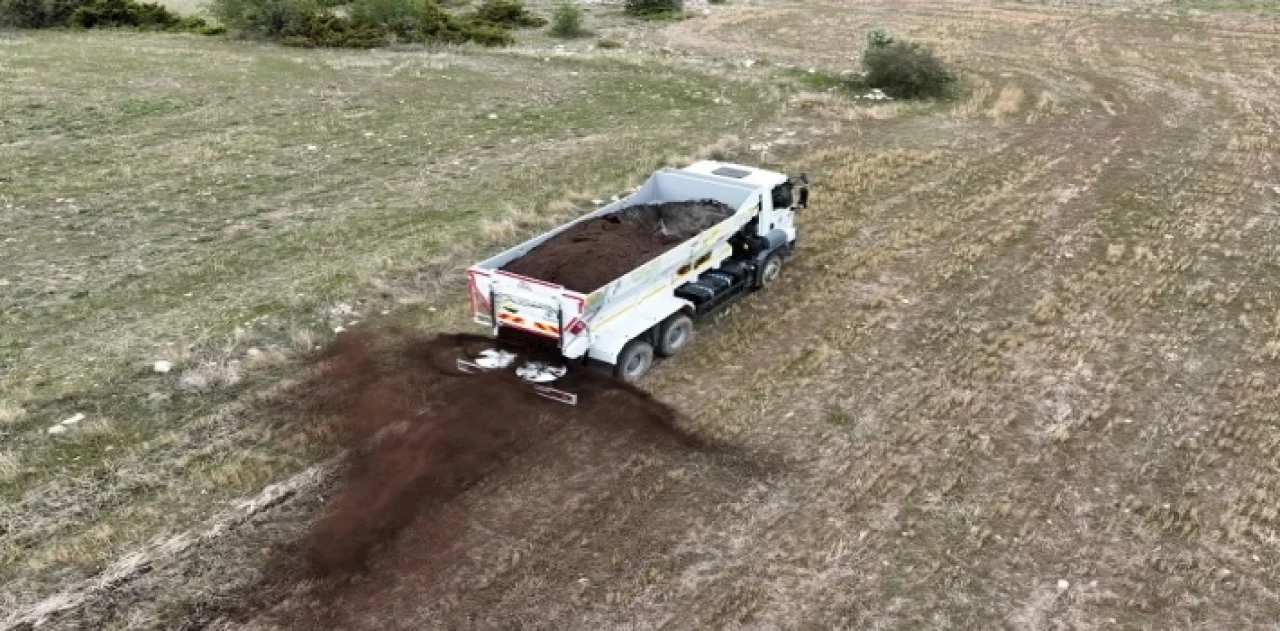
pixel 770 270
pixel 634 361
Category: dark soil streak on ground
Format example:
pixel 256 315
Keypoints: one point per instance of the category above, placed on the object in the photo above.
pixel 417 433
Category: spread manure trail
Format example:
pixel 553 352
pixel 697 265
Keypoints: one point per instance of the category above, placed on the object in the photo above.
pixel 417 432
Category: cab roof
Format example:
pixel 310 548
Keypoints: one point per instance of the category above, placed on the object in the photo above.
pixel 749 175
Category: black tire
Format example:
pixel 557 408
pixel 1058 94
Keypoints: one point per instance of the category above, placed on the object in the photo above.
pixel 674 335
pixel 634 361
pixel 770 269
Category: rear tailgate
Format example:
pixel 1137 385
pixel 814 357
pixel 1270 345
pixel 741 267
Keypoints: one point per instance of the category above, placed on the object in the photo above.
pixel 527 304
pixel 502 299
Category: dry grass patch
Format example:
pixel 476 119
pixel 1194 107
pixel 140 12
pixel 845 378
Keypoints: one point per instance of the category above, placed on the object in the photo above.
pixel 10 413
pixel 1008 102
pixel 513 221
pixel 721 149
pixel 210 375
pixel 10 465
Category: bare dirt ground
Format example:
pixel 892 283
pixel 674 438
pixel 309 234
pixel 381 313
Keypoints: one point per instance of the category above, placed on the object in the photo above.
pixel 1023 373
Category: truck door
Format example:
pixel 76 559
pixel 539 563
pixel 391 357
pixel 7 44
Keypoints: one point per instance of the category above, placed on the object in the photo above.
pixel 783 203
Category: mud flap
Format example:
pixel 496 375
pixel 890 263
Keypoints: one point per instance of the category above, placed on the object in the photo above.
pixel 567 398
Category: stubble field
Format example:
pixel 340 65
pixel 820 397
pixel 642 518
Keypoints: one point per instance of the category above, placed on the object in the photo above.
pixel 1023 373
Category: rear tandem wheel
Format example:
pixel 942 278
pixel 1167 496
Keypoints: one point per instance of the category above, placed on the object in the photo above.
pixel 675 334
pixel 634 360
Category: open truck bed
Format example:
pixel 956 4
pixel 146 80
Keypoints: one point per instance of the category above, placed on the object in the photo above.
pixel 573 318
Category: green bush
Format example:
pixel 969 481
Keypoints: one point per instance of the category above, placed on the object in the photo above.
pixel 507 14
pixel 371 23
pixel 26 14
pixel 406 20
pixel 879 38
pixel 566 21
pixel 325 30
pixel 97 13
pixel 268 18
pixel 103 13
pixel 88 14
pixel 905 70
pixel 653 9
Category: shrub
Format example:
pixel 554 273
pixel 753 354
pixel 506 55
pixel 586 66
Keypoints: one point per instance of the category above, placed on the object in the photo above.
pixel 269 18
pixel 508 14
pixel 25 13
pixel 609 44
pixel 38 13
pixel 97 13
pixel 879 38
pixel 124 13
pixel 487 35
pixel 325 30
pixel 371 23
pixel 653 9
pixel 566 21
pixel 408 20
pixel 906 70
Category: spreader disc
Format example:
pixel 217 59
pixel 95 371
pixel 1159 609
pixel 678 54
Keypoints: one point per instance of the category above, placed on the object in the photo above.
pixel 493 358
pixel 539 372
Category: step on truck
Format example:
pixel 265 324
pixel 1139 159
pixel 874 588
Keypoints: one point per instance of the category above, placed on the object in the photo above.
pixel 651 310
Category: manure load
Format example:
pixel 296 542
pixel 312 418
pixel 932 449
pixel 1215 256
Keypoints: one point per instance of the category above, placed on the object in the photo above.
pixel 592 253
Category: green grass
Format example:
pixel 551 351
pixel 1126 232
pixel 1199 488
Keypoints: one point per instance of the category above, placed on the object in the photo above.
pixel 167 191
pixel 826 81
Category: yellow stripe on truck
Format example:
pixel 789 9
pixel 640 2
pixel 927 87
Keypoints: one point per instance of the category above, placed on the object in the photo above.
pixel 659 289
pixel 633 305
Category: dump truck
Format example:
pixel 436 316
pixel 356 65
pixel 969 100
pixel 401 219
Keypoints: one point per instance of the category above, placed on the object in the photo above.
pixel 747 231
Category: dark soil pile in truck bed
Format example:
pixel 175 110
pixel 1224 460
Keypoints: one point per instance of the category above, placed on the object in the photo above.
pixel 595 252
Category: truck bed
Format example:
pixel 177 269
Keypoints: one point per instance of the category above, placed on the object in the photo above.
pixel 508 292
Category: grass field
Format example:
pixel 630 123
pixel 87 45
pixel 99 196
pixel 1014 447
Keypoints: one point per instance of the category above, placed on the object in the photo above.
pixel 224 205
pixel 1023 374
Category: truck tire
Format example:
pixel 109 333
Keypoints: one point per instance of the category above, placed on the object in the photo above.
pixel 675 334
pixel 770 269
pixel 634 361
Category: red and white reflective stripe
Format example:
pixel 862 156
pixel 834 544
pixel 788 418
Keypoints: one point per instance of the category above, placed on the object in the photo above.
pixel 479 301
pixel 582 302
pixel 519 323
pixel 512 319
